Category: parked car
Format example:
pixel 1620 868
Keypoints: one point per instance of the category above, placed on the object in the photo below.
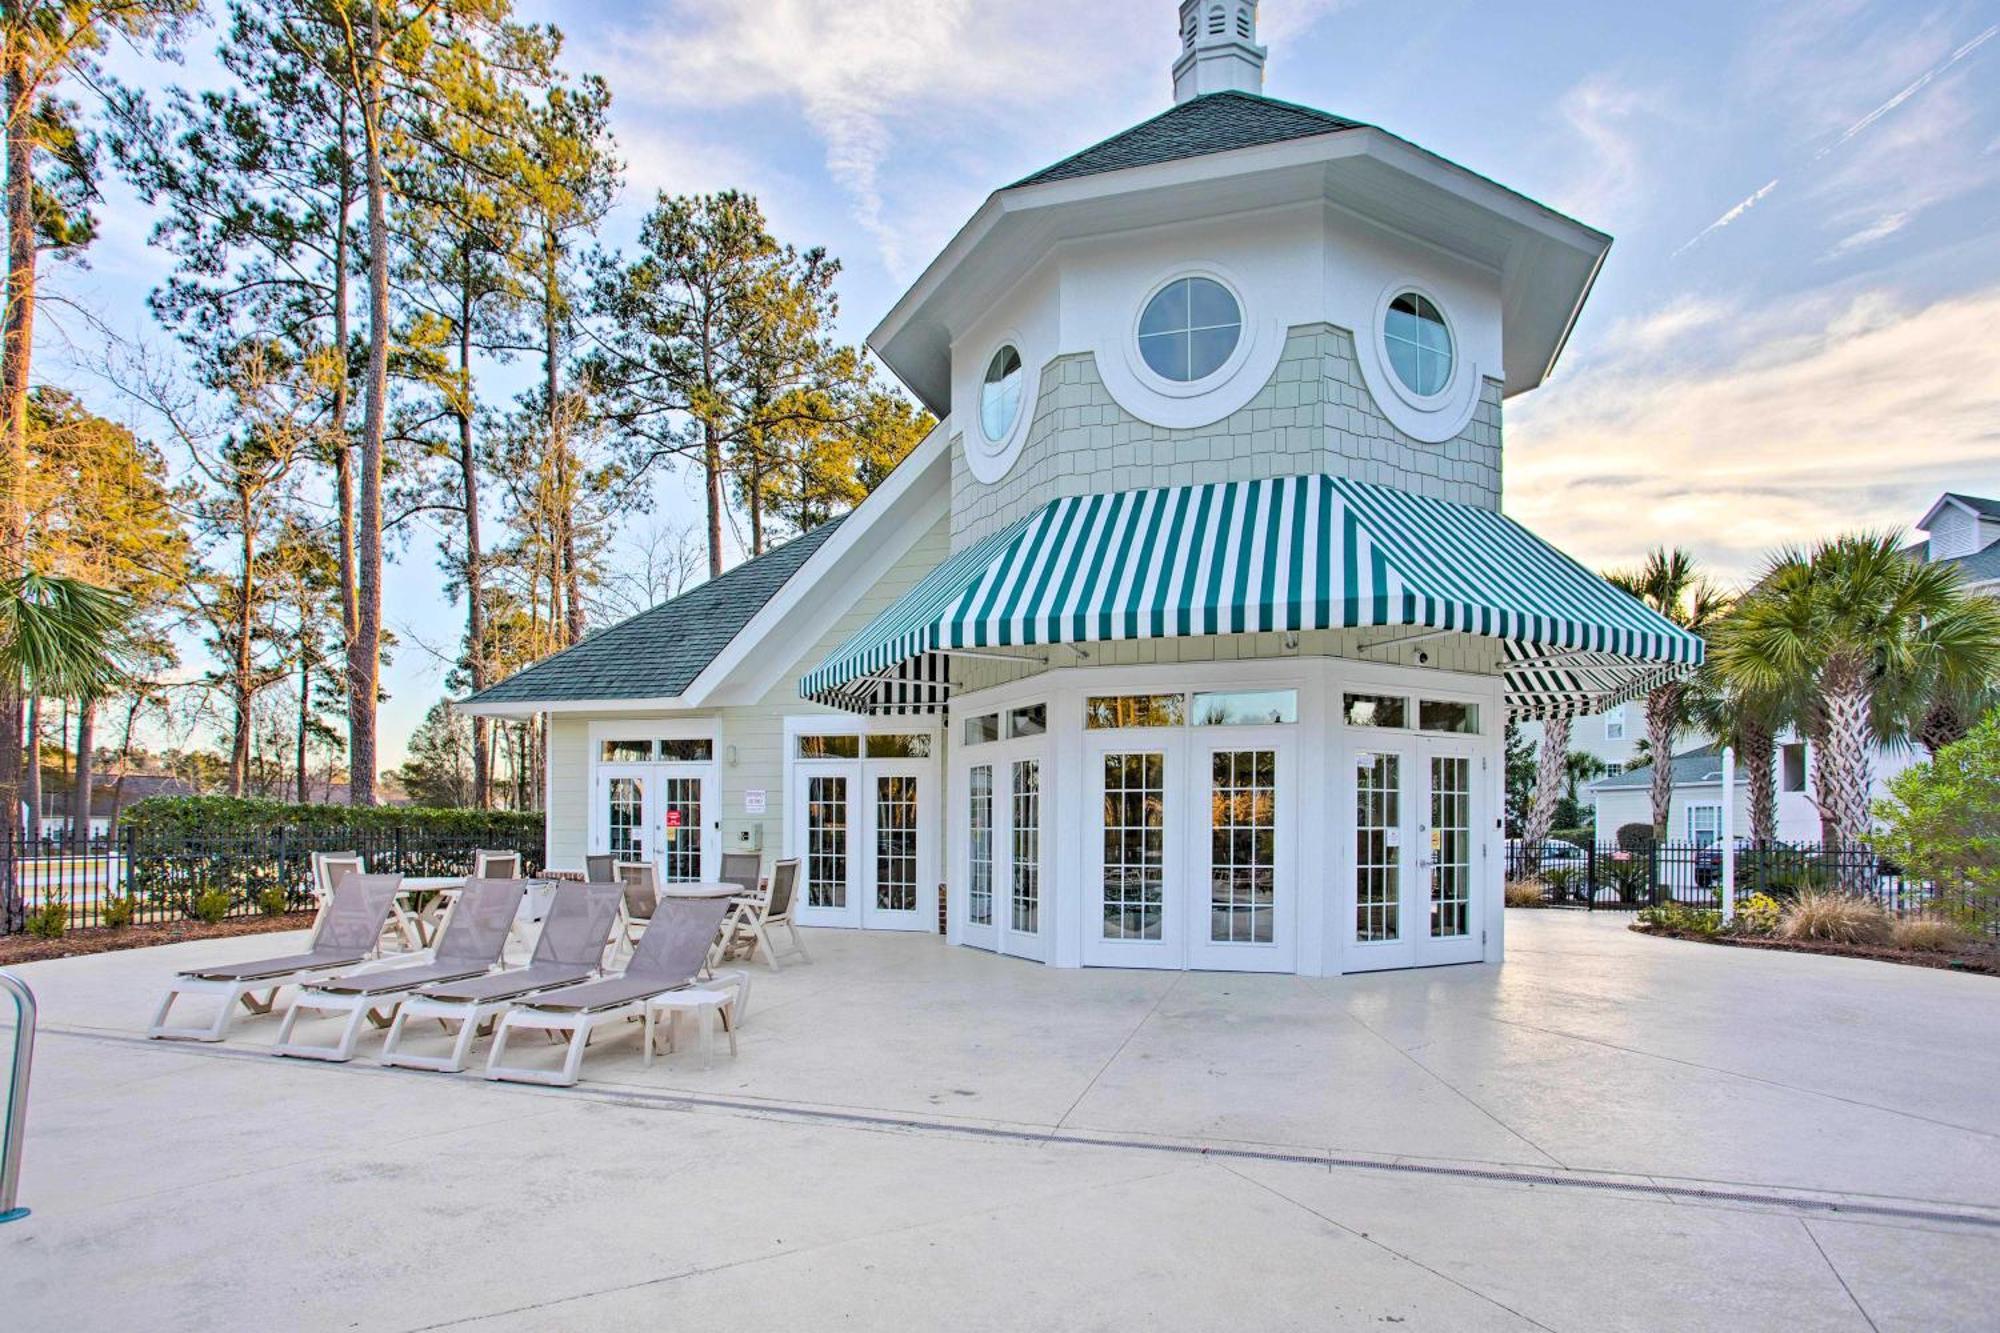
pixel 1708 864
pixel 1555 852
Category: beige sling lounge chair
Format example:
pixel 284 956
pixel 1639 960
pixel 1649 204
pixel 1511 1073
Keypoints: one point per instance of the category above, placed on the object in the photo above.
pixel 474 936
pixel 348 933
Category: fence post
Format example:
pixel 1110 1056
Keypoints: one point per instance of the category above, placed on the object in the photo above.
pixel 1653 873
pixel 1728 834
pixel 396 840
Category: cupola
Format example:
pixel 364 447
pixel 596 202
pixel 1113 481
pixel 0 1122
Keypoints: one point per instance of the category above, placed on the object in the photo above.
pixel 1219 51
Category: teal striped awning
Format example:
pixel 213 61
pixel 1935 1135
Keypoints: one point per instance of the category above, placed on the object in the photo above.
pixel 1285 553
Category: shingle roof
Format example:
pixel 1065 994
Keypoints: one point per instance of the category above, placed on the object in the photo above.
pixel 658 653
pixel 1696 768
pixel 1980 566
pixel 1214 123
pixel 1978 505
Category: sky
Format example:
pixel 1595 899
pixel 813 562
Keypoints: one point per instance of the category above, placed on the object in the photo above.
pixel 1794 333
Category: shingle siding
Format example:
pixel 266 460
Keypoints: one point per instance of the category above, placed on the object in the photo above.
pixel 1314 415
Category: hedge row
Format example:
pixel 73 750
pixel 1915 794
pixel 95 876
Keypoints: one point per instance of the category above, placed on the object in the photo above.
pixel 209 816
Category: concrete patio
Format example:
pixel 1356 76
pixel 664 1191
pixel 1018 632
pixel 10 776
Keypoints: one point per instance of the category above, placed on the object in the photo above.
pixel 1606 1132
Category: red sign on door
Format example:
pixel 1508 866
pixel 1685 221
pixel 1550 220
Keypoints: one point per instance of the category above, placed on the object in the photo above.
pixel 673 819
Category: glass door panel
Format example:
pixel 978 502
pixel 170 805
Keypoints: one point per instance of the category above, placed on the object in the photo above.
pixel 895 843
pixel 827 845
pixel 622 804
pixel 1025 836
pixel 682 829
pixel 1243 846
pixel 1451 847
pixel 1134 845
pixel 979 849
pixel 1378 848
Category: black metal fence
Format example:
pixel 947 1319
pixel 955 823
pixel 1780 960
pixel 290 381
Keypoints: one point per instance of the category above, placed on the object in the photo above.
pixel 1604 877
pixel 148 876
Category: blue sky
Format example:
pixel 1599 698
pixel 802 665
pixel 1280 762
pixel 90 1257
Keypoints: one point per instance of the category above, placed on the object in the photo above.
pixel 1794 333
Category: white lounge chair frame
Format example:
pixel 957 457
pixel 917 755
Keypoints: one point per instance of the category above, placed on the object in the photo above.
pixel 644 876
pixel 475 1018
pixel 233 991
pixel 692 922
pixel 381 1007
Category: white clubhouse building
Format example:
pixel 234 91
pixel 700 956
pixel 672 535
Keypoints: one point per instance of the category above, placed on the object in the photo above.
pixel 1187 639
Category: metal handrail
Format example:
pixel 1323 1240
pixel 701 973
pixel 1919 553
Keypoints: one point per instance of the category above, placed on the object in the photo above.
pixel 16 1122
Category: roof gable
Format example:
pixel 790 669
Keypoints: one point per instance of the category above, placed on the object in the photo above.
pixel 1694 768
pixel 658 653
pixel 1213 123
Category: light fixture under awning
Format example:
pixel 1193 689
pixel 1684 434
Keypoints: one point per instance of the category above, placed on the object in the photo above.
pixel 1282 553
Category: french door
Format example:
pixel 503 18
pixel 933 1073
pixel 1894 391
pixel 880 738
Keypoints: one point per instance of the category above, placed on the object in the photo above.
pixel 664 813
pixel 1004 866
pixel 1414 898
pixel 866 839
pixel 1190 851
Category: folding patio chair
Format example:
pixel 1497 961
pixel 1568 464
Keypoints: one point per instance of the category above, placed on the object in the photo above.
pixel 328 869
pixel 600 868
pixel 669 957
pixel 348 932
pixel 571 949
pixel 473 938
pixel 642 892
pixel 496 865
pixel 752 921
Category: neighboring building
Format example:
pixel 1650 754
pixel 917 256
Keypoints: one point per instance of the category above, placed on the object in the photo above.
pixel 1965 531
pixel 108 797
pixel 1187 638
pixel 1961 529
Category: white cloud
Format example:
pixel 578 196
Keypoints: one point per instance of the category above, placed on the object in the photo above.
pixel 1744 206
pixel 1791 425
pixel 1911 90
pixel 865 73
pixel 1885 226
pixel 1601 113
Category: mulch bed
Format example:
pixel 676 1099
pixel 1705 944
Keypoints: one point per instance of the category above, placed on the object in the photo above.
pixel 99 939
pixel 1971 957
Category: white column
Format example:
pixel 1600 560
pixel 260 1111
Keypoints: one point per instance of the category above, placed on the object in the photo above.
pixel 1728 834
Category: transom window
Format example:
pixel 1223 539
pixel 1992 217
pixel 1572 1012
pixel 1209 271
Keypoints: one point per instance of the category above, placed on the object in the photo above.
pixel 916 746
pixel 1190 329
pixel 1245 708
pixel 981 729
pixel 1375 710
pixel 1419 344
pixel 1000 394
pixel 1032 720
pixel 1109 711
pixel 1447 715
pixel 829 747
pixel 695 750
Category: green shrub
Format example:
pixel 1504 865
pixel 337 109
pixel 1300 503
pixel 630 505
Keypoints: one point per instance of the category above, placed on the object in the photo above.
pixel 49 921
pixel 1758 914
pixel 115 913
pixel 211 906
pixel 319 825
pixel 1630 876
pixel 1562 879
pixel 1635 837
pixel 1582 837
pixel 272 901
pixel 1942 822
pixel 1679 916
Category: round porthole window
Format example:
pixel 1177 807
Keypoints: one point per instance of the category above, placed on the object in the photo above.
pixel 1000 394
pixel 1190 329
pixel 1419 344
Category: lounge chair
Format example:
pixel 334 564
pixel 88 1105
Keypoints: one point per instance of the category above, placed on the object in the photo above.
pixel 328 869
pixel 753 921
pixel 474 935
pixel 670 956
pixel 571 949
pixel 347 933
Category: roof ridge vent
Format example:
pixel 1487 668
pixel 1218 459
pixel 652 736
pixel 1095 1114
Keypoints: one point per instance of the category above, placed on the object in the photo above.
pixel 1219 51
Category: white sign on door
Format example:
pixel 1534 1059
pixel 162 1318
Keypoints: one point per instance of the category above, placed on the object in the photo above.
pixel 755 801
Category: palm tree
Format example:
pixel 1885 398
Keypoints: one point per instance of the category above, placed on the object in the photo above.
pixel 1861 625
pixel 1549 764
pixel 1668 584
pixel 63 638
pixel 1746 718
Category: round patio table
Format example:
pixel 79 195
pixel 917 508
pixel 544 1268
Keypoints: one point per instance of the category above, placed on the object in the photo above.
pixel 699 890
